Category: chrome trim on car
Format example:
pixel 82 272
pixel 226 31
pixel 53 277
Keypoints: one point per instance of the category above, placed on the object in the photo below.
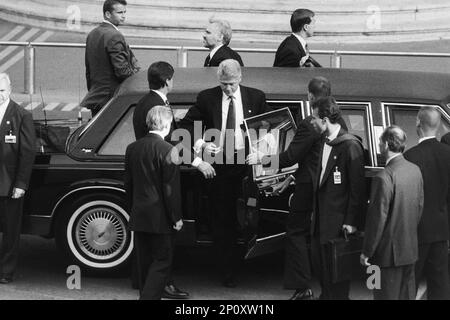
pixel 79 189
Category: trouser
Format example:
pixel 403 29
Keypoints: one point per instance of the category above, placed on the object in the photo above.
pixel 11 224
pixel 297 267
pixel 433 266
pixel 397 283
pixel 225 189
pixel 135 270
pixel 154 260
pixel 320 255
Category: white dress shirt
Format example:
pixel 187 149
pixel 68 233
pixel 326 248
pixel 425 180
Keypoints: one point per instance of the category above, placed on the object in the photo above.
pixel 115 27
pixel 3 108
pixel 327 150
pixel 213 51
pixel 426 138
pixel 239 118
pixel 302 41
pixel 162 95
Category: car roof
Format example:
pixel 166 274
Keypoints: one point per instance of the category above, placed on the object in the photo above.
pixel 291 82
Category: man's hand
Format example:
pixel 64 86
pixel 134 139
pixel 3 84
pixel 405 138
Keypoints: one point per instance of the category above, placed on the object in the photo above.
pixel 210 148
pixel 350 229
pixel 254 158
pixel 280 188
pixel 364 260
pixel 207 170
pixel 178 225
pixel 17 193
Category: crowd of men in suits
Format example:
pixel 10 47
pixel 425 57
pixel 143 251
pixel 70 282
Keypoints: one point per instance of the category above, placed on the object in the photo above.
pixel 407 220
pixel 407 224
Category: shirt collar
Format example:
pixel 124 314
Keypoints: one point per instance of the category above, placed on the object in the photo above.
pixel 302 41
pixel 213 51
pixel 236 95
pixel 106 21
pixel 162 95
pixel 334 135
pixel 394 156
pixel 426 138
pixel 159 133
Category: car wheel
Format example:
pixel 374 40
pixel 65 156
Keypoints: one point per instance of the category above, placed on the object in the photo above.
pixel 93 233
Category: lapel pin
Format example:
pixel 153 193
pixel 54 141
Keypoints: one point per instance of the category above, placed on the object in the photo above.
pixel 334 157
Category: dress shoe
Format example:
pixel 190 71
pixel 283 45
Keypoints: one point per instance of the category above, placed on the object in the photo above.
pixel 172 292
pixel 6 278
pixel 303 295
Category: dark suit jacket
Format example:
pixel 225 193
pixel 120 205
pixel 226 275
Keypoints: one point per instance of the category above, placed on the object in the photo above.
pixel 290 52
pixel 152 183
pixel 109 60
pixel 144 105
pixel 396 203
pixel 16 158
pixel 339 204
pixel 433 159
pixel 208 109
pixel 224 53
pixel 446 138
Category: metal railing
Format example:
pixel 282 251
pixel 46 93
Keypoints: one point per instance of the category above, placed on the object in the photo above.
pixel 183 55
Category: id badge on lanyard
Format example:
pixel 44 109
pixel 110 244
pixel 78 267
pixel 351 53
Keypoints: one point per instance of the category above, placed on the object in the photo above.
pixel 10 138
pixel 337 176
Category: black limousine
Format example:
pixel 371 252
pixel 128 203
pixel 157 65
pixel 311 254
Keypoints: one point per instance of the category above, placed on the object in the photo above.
pixel 77 195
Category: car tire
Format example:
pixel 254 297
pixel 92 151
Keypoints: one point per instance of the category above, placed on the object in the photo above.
pixel 92 232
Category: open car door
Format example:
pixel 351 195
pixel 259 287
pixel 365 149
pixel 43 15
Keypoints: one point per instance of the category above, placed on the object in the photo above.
pixel 262 213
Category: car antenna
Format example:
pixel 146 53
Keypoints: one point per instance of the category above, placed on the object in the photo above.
pixel 79 118
pixel 43 106
pixel 41 147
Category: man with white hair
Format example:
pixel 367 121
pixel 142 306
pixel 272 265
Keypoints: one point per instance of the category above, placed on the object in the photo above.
pixel 216 38
pixel 17 151
pixel 222 109
pixel 152 184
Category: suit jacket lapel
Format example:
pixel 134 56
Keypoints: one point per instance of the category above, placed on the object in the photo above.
pixel 319 166
pixel 299 46
pixel 6 117
pixel 246 108
pixel 331 160
pixel 217 109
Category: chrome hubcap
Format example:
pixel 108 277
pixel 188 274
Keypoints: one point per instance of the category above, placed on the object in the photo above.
pixel 101 234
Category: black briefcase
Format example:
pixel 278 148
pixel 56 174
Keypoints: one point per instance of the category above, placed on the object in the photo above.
pixel 344 256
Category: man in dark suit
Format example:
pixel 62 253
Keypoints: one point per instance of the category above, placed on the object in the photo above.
pixel 160 81
pixel 17 151
pixel 433 159
pixel 217 39
pixel 446 138
pixel 339 187
pixel 304 150
pixel 221 111
pixel 396 204
pixel 108 58
pixel 293 51
pixel 152 184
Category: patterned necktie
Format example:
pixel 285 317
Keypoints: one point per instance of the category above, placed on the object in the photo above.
pixel 207 60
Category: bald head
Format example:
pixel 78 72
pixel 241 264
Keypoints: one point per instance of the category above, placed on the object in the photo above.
pixel 395 139
pixel 428 121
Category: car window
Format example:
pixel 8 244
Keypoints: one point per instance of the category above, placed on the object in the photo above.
pixel 120 137
pixel 405 117
pixel 355 116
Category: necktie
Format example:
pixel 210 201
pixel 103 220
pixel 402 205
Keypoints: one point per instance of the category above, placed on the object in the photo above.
pixel 231 122
pixel 306 49
pixel 207 60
